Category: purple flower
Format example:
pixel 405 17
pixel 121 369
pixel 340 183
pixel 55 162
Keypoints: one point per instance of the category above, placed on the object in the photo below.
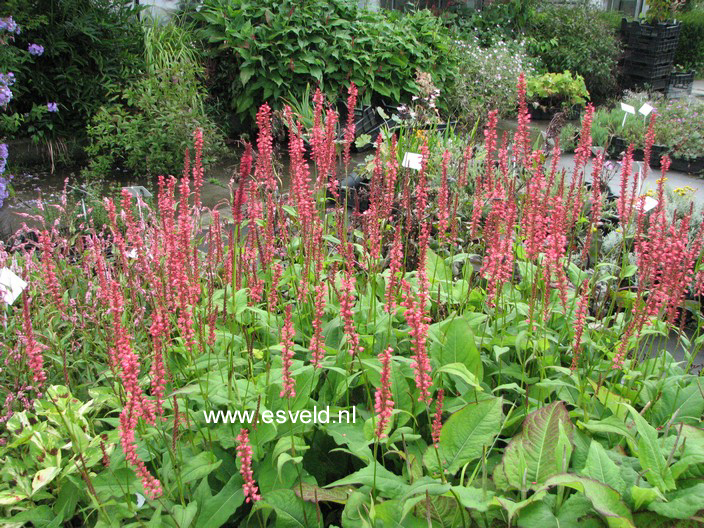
pixel 6 80
pixel 3 157
pixel 9 25
pixel 35 49
pixel 4 193
pixel 52 107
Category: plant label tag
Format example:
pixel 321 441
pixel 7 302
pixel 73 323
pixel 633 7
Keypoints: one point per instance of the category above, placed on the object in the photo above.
pixel 132 253
pixel 411 160
pixel 645 109
pixel 10 285
pixel 649 204
pixel 628 108
pixel 138 190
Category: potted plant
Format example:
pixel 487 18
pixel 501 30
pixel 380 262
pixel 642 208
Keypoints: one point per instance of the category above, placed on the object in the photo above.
pixel 550 93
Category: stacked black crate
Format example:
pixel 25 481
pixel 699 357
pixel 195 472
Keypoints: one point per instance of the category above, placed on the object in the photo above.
pixel 650 54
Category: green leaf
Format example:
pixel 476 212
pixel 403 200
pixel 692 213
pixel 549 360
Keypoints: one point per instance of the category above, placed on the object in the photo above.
pixel 199 466
pixel 425 485
pixel 464 435
pixel 459 346
pixel 313 493
pixel 291 512
pixel 389 484
pixel 605 500
pixel 688 401
pixel 217 510
pixel 651 458
pixel 610 425
pixel 245 75
pixel 681 504
pixel 473 498
pixel 644 496
pixel 184 515
pixel 435 266
pixel 531 456
pixel 43 477
pixel 460 371
pixel 600 467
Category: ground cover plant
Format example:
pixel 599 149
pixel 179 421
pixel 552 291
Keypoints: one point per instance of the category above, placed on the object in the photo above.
pixel 486 357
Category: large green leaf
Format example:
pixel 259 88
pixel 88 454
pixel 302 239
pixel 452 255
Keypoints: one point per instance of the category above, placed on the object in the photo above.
pixel 535 454
pixel 600 467
pixel 389 484
pixel 649 454
pixel 688 402
pixel 681 504
pixel 459 346
pixel 291 512
pixel 436 268
pixel 606 501
pixel 215 511
pixel 464 435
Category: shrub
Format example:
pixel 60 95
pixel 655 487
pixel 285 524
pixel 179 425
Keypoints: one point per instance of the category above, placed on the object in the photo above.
pixel 486 79
pixel 90 48
pixel 578 40
pixel 557 90
pixel 151 123
pixel 267 50
pixel 495 22
pixel 690 51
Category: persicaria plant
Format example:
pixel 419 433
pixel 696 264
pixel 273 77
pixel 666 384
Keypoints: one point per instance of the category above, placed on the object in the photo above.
pixel 486 355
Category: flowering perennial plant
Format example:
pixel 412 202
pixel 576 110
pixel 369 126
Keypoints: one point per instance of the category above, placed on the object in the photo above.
pixel 507 360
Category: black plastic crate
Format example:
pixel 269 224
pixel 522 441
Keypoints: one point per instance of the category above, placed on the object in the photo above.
pixel 365 119
pixel 652 44
pixel 662 32
pixel 655 59
pixel 683 80
pixel 657 84
pixel 648 72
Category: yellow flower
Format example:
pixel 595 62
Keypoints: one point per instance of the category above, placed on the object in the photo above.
pixel 661 180
pixel 650 193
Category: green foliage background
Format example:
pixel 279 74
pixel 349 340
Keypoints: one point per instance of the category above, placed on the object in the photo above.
pixel 266 50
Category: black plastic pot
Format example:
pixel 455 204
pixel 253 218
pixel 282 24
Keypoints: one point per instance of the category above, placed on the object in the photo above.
pixel 619 145
pixel 694 166
pixel 680 84
pixel 542 113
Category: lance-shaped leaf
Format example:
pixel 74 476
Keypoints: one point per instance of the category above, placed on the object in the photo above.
pixel 532 456
pixel 600 467
pixel 606 501
pixel 464 435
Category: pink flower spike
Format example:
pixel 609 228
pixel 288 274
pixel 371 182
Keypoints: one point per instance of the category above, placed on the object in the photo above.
pixel 384 403
pixel 437 420
pixel 287 333
pixel 244 451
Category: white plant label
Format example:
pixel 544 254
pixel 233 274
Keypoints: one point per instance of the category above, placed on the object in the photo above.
pixel 411 160
pixel 645 109
pixel 10 285
pixel 138 190
pixel 628 108
pixel 650 203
